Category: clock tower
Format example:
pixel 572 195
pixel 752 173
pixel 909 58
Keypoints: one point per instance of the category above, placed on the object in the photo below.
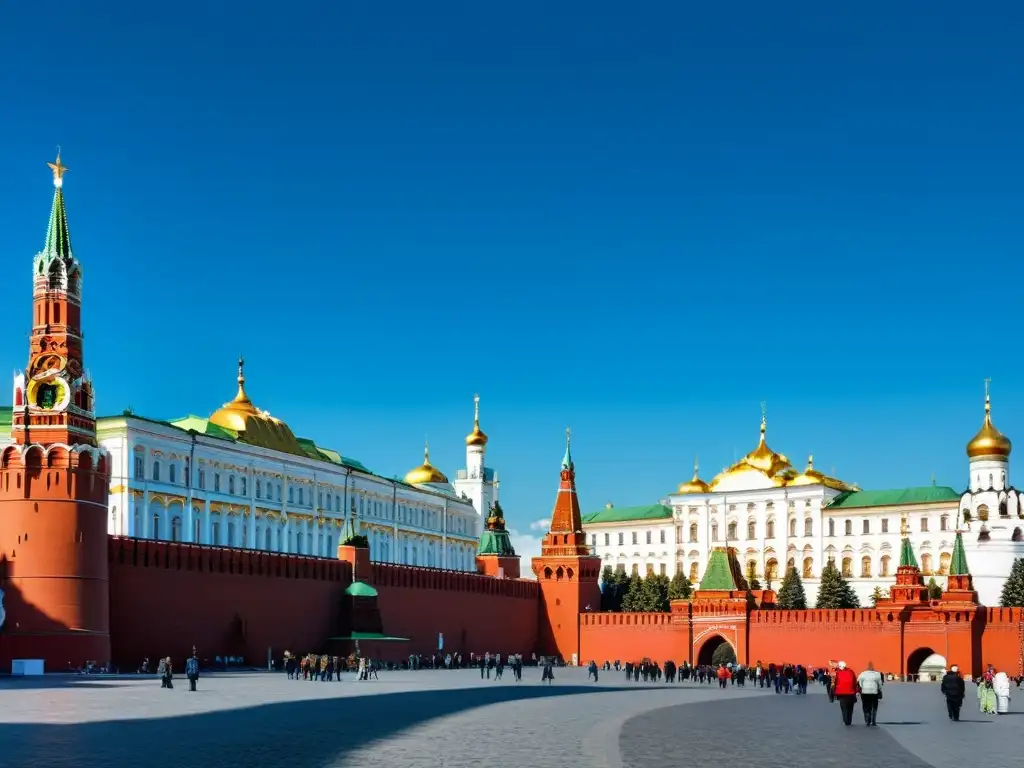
pixel 54 480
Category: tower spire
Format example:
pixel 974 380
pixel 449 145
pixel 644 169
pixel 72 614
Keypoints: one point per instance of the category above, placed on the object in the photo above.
pixel 567 459
pixel 566 533
pixel 58 239
pixel 477 436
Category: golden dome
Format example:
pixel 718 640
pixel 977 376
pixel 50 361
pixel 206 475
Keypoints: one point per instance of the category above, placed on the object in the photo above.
pixel 811 476
pixel 425 472
pixel 252 425
pixel 762 459
pixel 477 436
pixel 989 441
pixel 696 485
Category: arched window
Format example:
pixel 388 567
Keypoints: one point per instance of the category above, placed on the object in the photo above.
pixel 196 530
pixel 792 526
pixel 883 569
pixel 751 530
pixel 983 512
pixel 268 538
pixel 693 531
pixel 259 487
pixel 808 567
pixel 865 567
pixel 231 484
pixel 847 567
pixel 731 532
pixel 944 560
pixel 176 529
pixel 328 501
pixel 926 565
pixel 769 529
pixel 694 575
pixel 714 531
pixel 245 489
pixel 808 527
pixel 772 570
pixel 848 526
pixel 172 473
pixel 291 494
pixel 831 527
pixel 944 523
pixel 156 525
pixel 156 471
pixel 140 468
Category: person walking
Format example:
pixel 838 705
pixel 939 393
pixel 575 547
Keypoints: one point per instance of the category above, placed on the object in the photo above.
pixel 846 691
pixel 870 684
pixel 192 670
pixel 954 689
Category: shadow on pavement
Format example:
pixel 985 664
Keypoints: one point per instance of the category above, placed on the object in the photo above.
pixel 300 733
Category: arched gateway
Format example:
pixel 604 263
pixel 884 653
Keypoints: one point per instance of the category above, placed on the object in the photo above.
pixel 707 653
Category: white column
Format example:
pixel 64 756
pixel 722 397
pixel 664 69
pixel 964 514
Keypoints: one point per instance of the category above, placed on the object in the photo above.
pixel 147 518
pixel 206 522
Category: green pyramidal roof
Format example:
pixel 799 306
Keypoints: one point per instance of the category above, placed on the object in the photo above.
pixel 719 573
pixel 58 239
pixel 958 563
pixel 907 554
pixel 496 543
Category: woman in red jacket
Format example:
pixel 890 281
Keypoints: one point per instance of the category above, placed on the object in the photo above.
pixel 846 691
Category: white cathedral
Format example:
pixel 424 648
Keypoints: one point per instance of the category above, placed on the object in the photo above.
pixel 777 517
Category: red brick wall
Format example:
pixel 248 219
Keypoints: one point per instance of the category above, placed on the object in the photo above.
pixel 631 637
pixel 1002 643
pixel 166 597
pixel 476 614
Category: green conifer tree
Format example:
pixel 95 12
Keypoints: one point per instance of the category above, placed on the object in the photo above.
pixel 632 600
pixel 655 593
pixel 679 588
pixel 834 591
pixel 934 590
pixel 608 588
pixel 876 595
pixel 791 594
pixel 1013 589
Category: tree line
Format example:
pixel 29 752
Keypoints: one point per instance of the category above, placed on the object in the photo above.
pixel 651 594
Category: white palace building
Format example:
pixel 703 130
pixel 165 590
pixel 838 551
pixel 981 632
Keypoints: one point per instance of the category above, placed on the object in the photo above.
pixel 241 478
pixel 776 517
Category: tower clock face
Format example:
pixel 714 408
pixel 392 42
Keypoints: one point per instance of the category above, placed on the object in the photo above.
pixel 50 394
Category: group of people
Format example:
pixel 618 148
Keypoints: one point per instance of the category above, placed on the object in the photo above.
pixel 489 663
pixel 165 669
pixel 993 692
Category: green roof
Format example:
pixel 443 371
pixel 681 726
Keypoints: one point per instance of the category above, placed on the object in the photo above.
pixel 6 417
pixel 719 573
pixel 496 543
pixel 926 494
pixel 625 514
pixel 907 554
pixel 958 563
pixel 360 589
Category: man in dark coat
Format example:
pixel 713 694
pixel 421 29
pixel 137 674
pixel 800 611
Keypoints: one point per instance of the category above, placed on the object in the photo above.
pixel 953 689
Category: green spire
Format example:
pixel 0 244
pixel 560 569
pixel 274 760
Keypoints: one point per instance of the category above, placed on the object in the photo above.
pixel 958 565
pixel 567 461
pixel 58 239
pixel 907 554
pixel 719 575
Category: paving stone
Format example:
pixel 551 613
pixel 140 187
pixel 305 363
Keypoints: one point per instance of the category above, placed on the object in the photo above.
pixel 453 720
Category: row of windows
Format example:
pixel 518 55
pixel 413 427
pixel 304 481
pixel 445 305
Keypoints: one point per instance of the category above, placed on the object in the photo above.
pixel 732 532
pixel 406 514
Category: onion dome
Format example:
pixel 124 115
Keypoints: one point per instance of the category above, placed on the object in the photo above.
pixel 252 425
pixel 477 436
pixel 811 476
pixel 989 441
pixel 426 472
pixel 695 485
pixel 762 459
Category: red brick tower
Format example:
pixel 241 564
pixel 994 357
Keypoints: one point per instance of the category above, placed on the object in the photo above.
pixel 909 589
pixel 54 480
pixel 568 574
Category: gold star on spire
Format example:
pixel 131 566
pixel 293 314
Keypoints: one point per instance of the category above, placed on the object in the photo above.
pixel 59 169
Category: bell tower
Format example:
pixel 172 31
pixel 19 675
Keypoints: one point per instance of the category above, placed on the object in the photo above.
pixel 567 572
pixel 54 480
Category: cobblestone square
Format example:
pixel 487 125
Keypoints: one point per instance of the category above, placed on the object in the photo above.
pixel 455 720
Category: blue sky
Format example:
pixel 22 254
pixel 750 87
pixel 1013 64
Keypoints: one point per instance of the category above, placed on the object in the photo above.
pixel 639 219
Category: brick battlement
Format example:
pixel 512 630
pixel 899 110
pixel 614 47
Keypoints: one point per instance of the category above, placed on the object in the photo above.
pixel 1008 616
pixel 414 577
pixel 590 619
pixel 820 616
pixel 167 555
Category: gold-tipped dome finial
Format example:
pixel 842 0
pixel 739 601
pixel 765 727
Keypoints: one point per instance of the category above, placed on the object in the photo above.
pixel 425 472
pixel 811 476
pixel 989 441
pixel 252 425
pixel 477 436
pixel 695 485
pixel 58 171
